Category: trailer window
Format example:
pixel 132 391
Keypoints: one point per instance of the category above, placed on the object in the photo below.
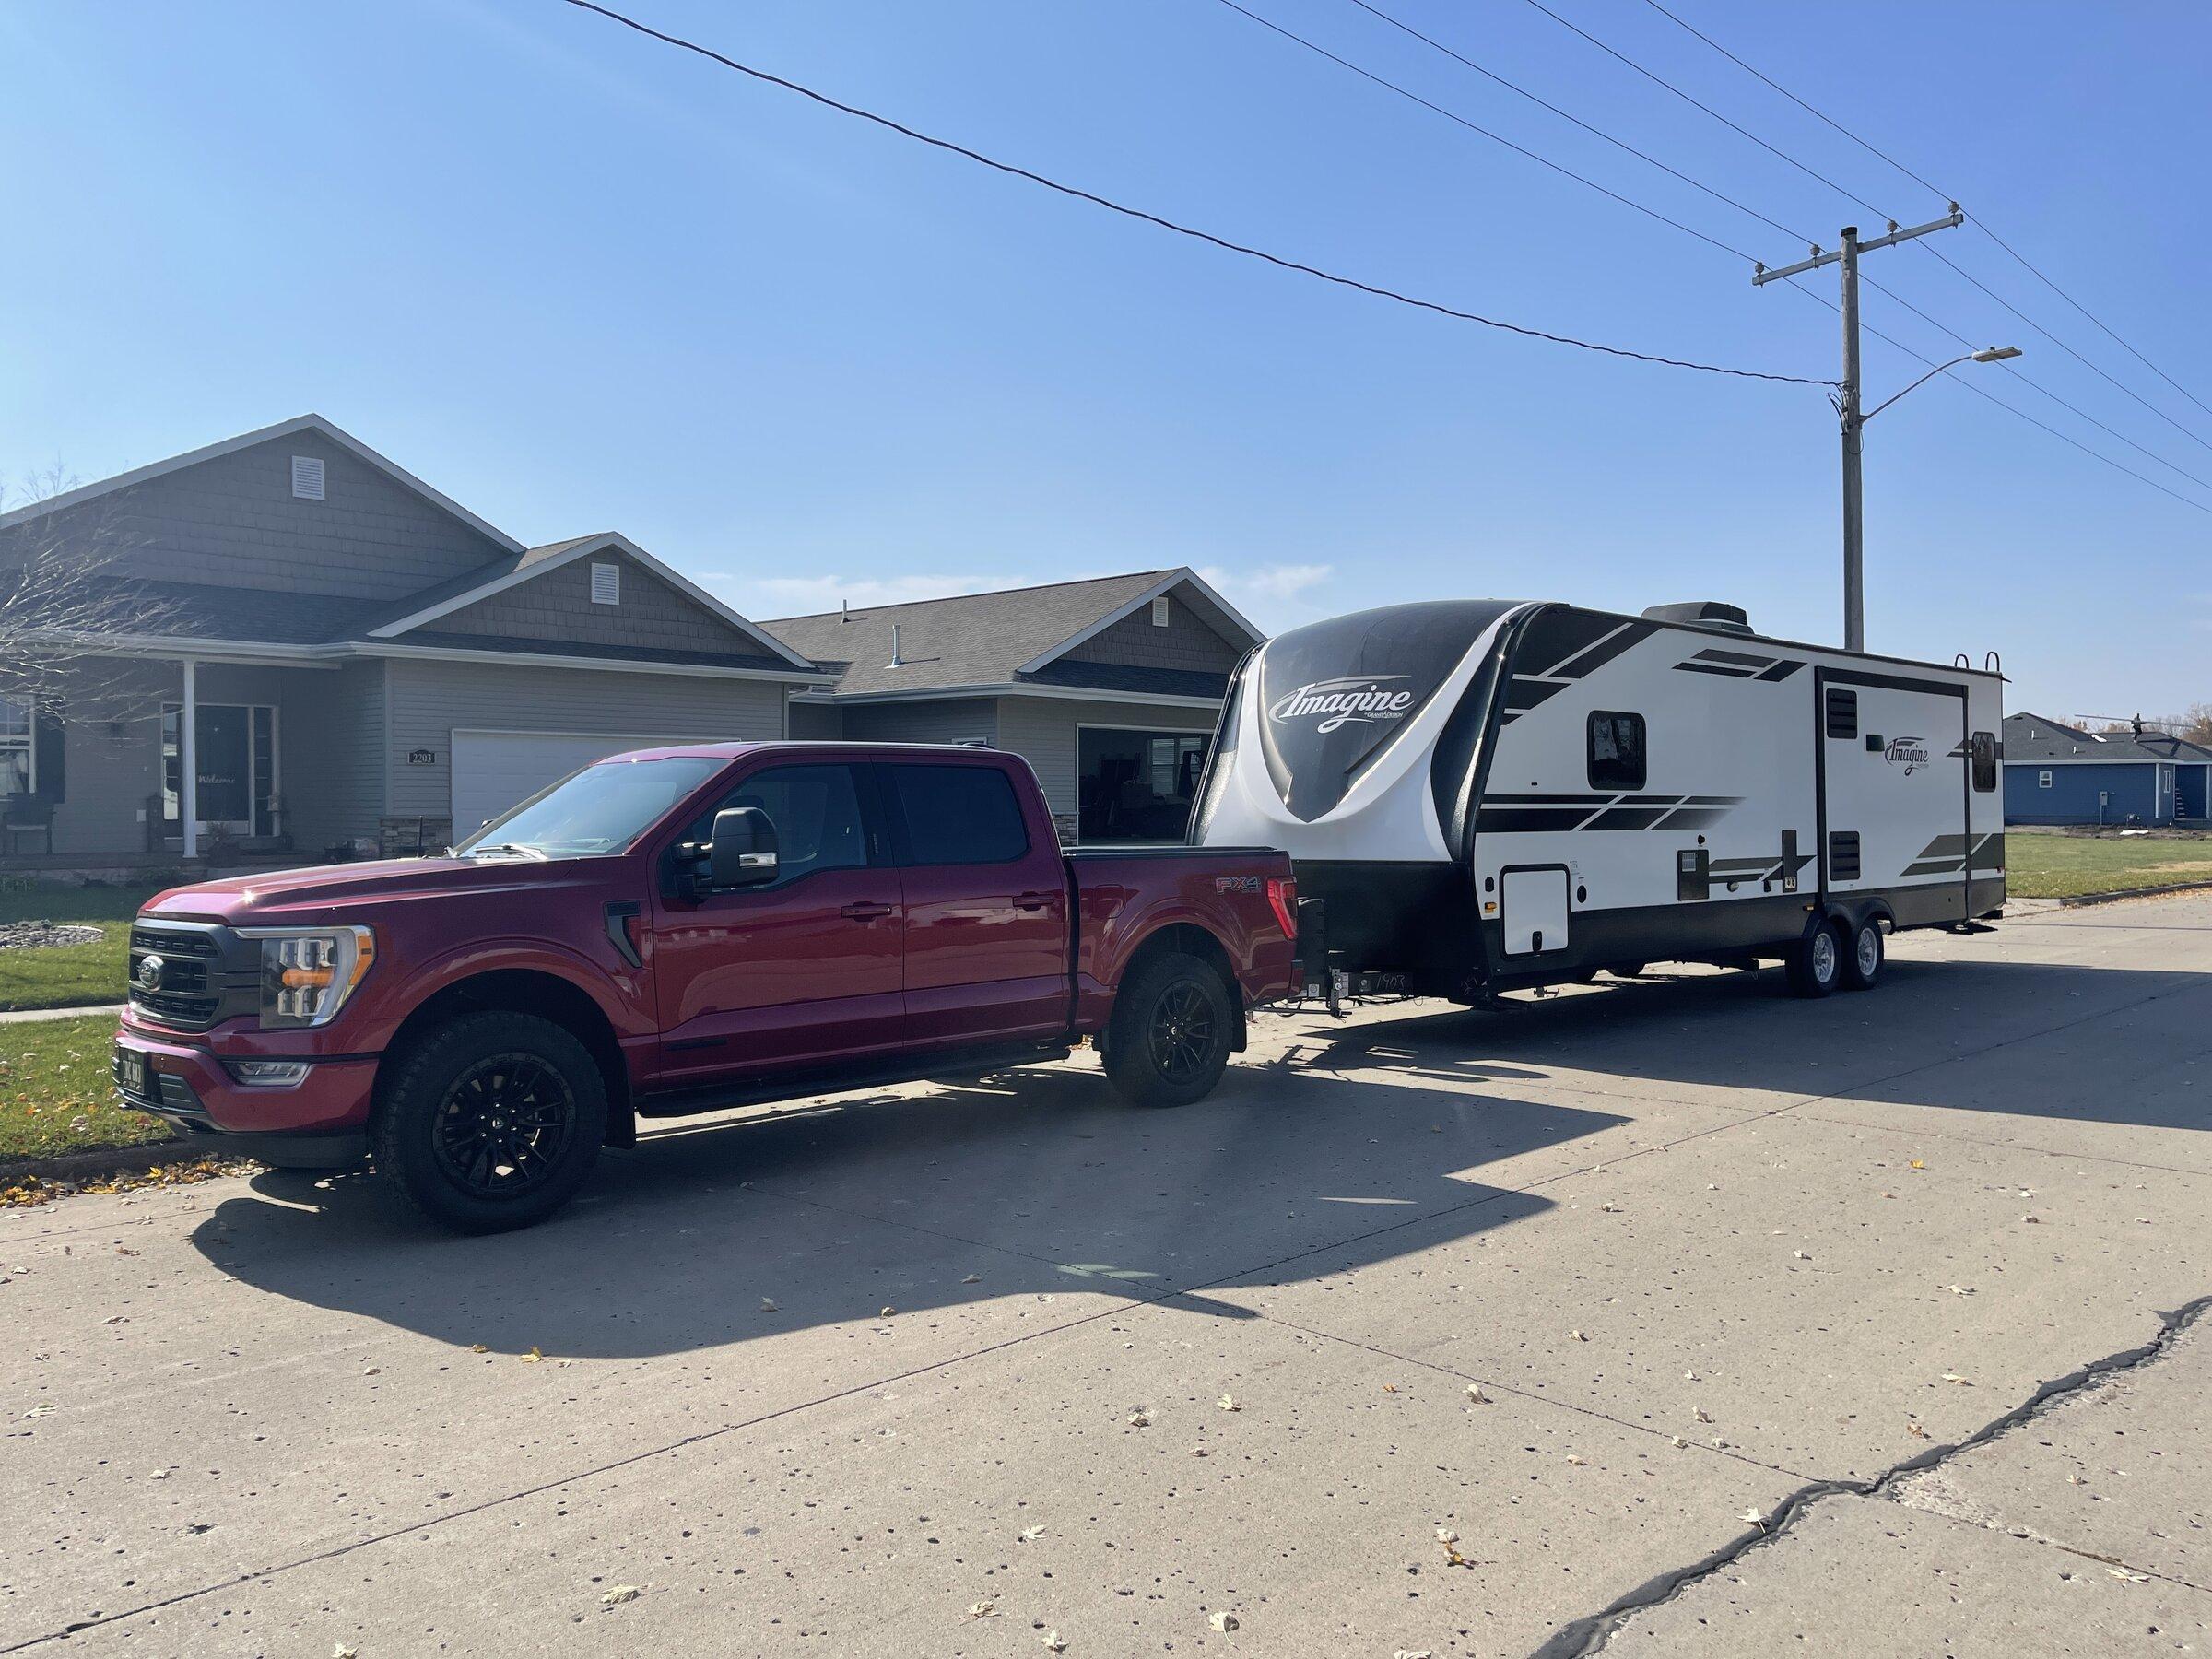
pixel 1985 751
pixel 1616 759
pixel 1842 713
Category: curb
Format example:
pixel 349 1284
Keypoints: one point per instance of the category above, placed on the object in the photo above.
pixel 19 1015
pixel 2072 899
pixel 94 1163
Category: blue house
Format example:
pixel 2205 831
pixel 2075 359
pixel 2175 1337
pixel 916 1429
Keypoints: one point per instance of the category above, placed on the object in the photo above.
pixel 2056 774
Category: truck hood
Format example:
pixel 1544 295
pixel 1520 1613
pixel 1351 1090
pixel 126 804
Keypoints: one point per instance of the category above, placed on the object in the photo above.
pixel 332 892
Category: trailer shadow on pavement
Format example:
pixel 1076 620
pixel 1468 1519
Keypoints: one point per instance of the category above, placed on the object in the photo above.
pixel 1037 1185
pixel 2035 1040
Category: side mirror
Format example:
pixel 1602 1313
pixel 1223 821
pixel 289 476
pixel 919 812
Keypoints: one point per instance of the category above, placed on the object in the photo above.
pixel 742 853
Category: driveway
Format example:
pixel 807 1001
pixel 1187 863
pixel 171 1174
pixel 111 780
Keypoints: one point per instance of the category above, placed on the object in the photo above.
pixel 1676 1316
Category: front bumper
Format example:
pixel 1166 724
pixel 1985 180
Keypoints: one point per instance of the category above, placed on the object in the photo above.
pixel 322 1120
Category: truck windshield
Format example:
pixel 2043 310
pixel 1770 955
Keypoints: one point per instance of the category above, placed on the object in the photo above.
pixel 600 809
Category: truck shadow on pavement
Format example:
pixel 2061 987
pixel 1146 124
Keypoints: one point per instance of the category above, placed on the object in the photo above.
pixel 1040 1186
pixel 1354 1145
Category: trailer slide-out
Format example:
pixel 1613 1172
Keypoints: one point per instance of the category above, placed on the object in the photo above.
pixel 1486 795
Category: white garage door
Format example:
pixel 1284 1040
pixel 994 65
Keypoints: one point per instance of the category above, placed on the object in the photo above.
pixel 494 770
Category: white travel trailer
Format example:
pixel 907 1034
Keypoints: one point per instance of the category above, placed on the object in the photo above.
pixel 1491 793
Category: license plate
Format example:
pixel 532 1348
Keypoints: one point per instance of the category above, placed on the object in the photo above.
pixel 130 1070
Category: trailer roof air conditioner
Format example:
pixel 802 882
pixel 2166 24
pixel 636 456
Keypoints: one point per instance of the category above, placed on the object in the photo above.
pixel 1702 613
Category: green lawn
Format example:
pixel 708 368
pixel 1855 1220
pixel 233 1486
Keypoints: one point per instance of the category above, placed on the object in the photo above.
pixel 70 975
pixel 56 1094
pixel 2055 866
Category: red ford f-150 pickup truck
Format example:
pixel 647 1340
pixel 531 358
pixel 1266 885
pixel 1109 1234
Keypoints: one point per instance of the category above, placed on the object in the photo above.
pixel 673 931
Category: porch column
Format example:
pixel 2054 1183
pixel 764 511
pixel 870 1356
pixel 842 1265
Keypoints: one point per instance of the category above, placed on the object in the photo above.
pixel 188 764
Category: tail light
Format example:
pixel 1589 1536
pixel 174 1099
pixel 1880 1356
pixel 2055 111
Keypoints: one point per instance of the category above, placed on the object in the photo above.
pixel 1282 898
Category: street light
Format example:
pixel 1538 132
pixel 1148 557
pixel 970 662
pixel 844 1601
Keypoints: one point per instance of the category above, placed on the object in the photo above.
pixel 1988 354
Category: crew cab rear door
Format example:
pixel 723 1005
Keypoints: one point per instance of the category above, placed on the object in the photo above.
pixel 802 972
pixel 986 892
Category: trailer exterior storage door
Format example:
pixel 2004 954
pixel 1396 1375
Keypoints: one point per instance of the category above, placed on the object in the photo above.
pixel 1894 753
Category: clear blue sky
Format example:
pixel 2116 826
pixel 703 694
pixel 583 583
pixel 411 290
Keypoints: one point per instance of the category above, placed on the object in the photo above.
pixel 581 281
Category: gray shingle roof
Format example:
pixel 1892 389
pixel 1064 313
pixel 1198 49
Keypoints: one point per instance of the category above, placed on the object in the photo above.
pixel 2037 738
pixel 964 640
pixel 589 648
pixel 263 616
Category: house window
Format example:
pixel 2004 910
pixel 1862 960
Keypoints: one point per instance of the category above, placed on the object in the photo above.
pixel 1617 757
pixel 606 585
pixel 307 477
pixel 18 760
pixel 1159 612
pixel 2042 779
pixel 1984 750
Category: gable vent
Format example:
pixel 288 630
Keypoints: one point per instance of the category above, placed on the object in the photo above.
pixel 307 477
pixel 1159 612
pixel 606 585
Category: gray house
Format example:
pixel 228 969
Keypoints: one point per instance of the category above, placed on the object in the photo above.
pixel 333 652
pixel 316 652
pixel 1110 687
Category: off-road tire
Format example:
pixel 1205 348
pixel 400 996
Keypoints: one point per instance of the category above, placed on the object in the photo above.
pixel 1169 1038
pixel 1864 956
pixel 485 1092
pixel 1816 961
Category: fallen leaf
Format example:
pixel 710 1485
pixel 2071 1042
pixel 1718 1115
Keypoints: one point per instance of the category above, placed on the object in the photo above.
pixel 768 1304
pixel 887 1313
pixel 1054 1643
pixel 338 1650
pixel 1228 1403
pixel 1414 1654
pixel 982 1610
pixel 1576 1336
pixel 41 1409
pixel 1444 1535
pixel 1029 1535
pixel 1676 1442
pixel 1578 1462
pixel 1703 1415
pixel 2133 1578
pixel 1801 1256
pixel 1756 1516
pixel 370 1371
pixel 1138 1419
pixel 477 1348
pixel 1954 1377
pixel 1476 1397
pixel 2032 1221
pixel 533 1357
pixel 160 1475
pixel 1918 1165
pixel 1916 1431
pixel 1959 1290
pixel 1222 1622
pixel 620 1593
pixel 977 1278
pixel 1390 1388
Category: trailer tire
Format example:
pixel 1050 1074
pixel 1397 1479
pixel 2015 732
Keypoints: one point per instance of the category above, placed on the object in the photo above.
pixel 1816 961
pixel 491 1121
pixel 1863 962
pixel 1169 1038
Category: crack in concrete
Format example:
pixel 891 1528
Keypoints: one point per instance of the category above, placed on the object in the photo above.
pixel 1592 1633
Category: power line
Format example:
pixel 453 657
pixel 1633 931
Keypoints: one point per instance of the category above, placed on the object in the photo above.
pixel 2010 408
pixel 1617 143
pixel 1166 224
pixel 1497 138
pixel 1936 252
pixel 1800 102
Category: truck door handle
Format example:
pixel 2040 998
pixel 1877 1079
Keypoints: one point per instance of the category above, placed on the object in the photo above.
pixel 866 912
pixel 1034 901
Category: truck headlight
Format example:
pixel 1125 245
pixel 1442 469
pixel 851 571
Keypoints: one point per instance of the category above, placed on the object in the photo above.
pixel 308 972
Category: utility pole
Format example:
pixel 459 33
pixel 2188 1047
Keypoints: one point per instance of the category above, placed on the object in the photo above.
pixel 1847 404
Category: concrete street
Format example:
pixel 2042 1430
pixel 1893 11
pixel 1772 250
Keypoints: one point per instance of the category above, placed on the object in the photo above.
pixel 1861 1326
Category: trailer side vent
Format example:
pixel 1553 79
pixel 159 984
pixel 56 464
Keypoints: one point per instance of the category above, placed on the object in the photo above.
pixel 1703 613
pixel 1842 713
pixel 1843 856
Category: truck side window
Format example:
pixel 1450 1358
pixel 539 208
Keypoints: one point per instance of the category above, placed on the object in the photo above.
pixel 1983 749
pixel 1617 758
pixel 816 811
pixel 957 815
